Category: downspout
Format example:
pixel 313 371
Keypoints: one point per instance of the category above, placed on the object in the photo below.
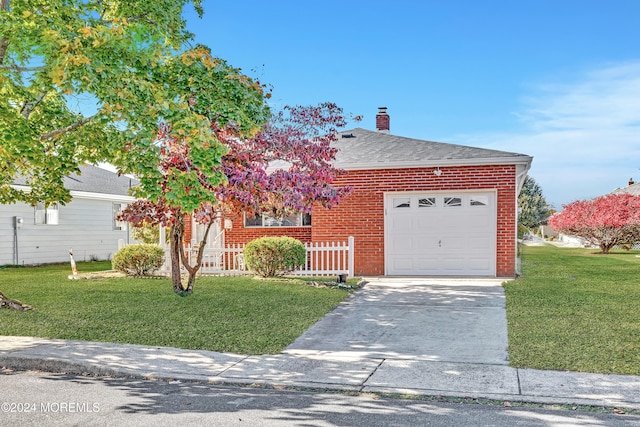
pixel 520 176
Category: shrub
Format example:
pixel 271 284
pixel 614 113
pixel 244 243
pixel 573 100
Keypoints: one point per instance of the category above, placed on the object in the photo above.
pixel 274 256
pixel 138 260
pixel 146 233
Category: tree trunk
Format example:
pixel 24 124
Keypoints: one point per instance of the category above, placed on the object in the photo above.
pixel 175 244
pixel 13 304
pixel 193 270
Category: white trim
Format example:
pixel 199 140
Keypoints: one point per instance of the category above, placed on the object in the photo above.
pixel 519 161
pixel 102 196
pixel 86 194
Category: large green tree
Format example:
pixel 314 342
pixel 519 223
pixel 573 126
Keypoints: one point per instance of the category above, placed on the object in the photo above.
pixel 121 58
pixel 132 61
pixel 534 209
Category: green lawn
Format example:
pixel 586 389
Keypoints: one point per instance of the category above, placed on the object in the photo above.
pixel 228 314
pixel 575 310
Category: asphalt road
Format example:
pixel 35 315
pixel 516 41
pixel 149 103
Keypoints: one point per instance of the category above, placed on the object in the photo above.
pixel 38 398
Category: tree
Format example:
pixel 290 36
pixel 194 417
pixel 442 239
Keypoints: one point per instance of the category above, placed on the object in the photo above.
pixel 125 57
pixel 534 209
pixel 55 55
pixel 606 221
pixel 286 167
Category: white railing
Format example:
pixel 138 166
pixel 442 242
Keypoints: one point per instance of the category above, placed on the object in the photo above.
pixel 323 259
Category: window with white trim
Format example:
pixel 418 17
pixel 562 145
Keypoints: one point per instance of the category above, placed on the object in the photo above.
pixel 117 210
pixel 266 220
pixel 46 215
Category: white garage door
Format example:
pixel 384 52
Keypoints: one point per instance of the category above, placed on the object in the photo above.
pixel 450 234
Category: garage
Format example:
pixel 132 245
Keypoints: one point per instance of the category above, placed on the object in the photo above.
pixel 440 233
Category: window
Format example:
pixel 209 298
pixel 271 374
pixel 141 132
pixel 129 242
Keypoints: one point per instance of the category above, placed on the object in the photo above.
pixel 428 202
pixel 117 210
pixel 479 201
pixel 265 220
pixel 452 202
pixel 46 214
pixel 401 202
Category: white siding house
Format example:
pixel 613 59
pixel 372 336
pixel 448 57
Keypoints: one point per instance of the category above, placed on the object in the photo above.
pixel 86 224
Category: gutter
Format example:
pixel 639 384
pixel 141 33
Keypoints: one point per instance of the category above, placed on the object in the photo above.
pixel 522 160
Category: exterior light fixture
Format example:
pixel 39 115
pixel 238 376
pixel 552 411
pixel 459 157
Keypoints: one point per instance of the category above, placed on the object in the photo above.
pixel 437 171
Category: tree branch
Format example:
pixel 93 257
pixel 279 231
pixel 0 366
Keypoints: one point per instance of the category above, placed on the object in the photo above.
pixel 66 129
pixel 4 42
pixel 28 107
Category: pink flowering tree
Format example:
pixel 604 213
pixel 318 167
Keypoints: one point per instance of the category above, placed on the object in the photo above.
pixel 606 221
pixel 286 167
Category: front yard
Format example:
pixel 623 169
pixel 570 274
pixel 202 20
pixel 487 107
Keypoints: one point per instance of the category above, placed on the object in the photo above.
pixel 227 314
pixel 575 310
pixel 571 310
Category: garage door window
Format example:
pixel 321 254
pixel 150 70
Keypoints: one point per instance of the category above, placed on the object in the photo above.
pixel 428 202
pixel 479 201
pixel 402 202
pixel 452 202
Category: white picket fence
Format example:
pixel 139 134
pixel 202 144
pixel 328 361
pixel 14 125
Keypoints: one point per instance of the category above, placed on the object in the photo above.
pixel 323 259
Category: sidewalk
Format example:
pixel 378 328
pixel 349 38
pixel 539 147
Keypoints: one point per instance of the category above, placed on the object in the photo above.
pixel 322 370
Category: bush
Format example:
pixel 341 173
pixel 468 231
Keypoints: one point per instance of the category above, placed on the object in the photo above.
pixel 274 256
pixel 138 260
pixel 146 233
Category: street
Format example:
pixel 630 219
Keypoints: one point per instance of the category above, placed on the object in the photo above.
pixel 38 398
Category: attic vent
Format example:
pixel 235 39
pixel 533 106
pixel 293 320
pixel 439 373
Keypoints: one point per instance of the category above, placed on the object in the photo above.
pixel 348 135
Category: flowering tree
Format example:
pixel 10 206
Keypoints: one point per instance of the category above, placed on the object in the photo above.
pixel 286 167
pixel 606 221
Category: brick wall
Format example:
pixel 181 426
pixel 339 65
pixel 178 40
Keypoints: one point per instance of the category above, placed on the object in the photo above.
pixel 362 213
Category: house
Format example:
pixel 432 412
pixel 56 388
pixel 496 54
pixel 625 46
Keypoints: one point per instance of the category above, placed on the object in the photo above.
pixel 632 188
pixel 44 234
pixel 418 207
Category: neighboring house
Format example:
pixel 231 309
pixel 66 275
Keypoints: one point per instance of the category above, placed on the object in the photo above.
pixel 418 207
pixel 632 188
pixel 86 224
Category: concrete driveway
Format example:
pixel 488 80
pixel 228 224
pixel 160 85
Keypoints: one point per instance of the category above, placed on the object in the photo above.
pixel 430 319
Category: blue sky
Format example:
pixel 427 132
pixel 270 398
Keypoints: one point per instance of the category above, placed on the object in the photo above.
pixel 555 79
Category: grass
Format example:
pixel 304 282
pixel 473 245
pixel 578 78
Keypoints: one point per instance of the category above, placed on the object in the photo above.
pixel 575 310
pixel 226 314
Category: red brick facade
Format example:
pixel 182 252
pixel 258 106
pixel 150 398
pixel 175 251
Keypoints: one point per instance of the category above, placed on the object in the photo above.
pixel 362 213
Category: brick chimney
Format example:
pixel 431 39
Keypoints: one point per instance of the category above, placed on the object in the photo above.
pixel 382 120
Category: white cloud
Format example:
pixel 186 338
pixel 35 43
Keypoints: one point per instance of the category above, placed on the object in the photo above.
pixel 584 135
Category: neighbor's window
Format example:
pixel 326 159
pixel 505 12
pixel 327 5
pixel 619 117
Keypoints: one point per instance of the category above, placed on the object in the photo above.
pixel 46 214
pixel 117 210
pixel 265 220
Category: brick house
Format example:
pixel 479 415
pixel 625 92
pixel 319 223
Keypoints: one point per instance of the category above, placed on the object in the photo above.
pixel 418 207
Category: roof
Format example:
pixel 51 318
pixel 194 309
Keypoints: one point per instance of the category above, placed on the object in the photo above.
pixel 364 149
pixel 631 189
pixel 93 179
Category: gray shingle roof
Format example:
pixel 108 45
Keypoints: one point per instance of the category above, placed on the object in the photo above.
pixel 364 149
pixel 631 189
pixel 93 179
